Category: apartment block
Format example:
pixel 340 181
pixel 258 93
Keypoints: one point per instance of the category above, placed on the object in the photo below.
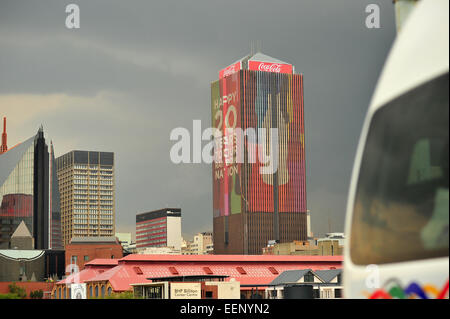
pixel 87 190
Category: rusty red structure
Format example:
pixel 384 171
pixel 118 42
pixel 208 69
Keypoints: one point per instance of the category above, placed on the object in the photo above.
pixel 4 146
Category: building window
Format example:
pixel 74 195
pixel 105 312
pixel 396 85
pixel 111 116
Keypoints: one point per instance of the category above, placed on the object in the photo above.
pixel 103 290
pixel 109 291
pixel 273 270
pixel 337 293
pixel 86 258
pixel 96 291
pixel 309 277
pixel 90 292
pixel 138 270
pixel 241 270
pixel 74 260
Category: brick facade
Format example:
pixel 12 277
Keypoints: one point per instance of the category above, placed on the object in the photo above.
pixel 81 253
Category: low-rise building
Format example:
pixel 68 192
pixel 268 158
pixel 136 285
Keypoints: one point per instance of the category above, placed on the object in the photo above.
pixel 331 245
pixel 188 287
pixel 306 283
pixel 81 250
pixel 253 272
pixel 62 289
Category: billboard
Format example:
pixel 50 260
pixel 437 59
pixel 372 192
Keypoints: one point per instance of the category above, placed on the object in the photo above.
pixel 259 100
pixel 275 101
pixel 226 109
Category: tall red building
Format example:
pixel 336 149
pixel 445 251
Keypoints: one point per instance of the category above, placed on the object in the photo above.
pixel 253 206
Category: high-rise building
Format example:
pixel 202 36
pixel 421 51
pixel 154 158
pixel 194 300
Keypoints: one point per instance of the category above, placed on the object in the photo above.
pixel 29 192
pixel 86 186
pixel 259 187
pixel 159 228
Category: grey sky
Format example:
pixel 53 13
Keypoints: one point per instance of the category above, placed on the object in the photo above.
pixel 137 69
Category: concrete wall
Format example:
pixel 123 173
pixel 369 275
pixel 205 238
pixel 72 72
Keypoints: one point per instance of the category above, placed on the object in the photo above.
pixel 10 269
pixel 227 289
pixel 174 232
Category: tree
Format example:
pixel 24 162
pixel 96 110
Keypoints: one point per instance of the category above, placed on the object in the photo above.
pixel 18 291
pixel 37 294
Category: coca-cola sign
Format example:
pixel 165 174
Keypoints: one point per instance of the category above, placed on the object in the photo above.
pixel 230 70
pixel 269 67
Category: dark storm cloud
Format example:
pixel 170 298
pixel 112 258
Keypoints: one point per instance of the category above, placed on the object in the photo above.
pixel 160 57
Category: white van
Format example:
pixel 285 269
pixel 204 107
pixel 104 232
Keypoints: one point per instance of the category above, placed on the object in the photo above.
pixel 397 226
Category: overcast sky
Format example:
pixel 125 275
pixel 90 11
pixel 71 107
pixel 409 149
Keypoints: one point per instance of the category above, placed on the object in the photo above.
pixel 137 69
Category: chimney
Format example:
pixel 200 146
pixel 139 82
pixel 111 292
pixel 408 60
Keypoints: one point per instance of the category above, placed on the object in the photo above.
pixel 4 146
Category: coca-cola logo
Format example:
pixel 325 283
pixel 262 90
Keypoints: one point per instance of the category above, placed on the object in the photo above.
pixel 229 70
pixel 273 67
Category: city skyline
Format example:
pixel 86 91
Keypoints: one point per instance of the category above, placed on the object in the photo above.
pixel 98 95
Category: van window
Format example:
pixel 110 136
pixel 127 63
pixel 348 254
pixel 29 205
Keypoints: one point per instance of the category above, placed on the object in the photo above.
pixel 401 209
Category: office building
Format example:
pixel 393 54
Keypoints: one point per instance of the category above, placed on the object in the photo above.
pixel 29 192
pixel 159 228
pixel 87 190
pixel 258 199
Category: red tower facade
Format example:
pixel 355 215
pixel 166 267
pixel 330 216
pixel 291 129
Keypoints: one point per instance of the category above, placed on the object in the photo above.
pixel 253 206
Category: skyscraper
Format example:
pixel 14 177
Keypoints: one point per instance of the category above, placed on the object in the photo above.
pixel 258 198
pixel 87 189
pixel 27 192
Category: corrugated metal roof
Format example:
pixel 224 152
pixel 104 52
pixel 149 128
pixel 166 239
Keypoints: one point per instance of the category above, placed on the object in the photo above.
pixel 257 268
pixel 234 258
pixel 290 276
pixel 328 275
pixel 89 272
pixel 102 262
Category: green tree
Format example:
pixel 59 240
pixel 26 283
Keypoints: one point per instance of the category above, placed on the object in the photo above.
pixel 16 290
pixel 37 294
